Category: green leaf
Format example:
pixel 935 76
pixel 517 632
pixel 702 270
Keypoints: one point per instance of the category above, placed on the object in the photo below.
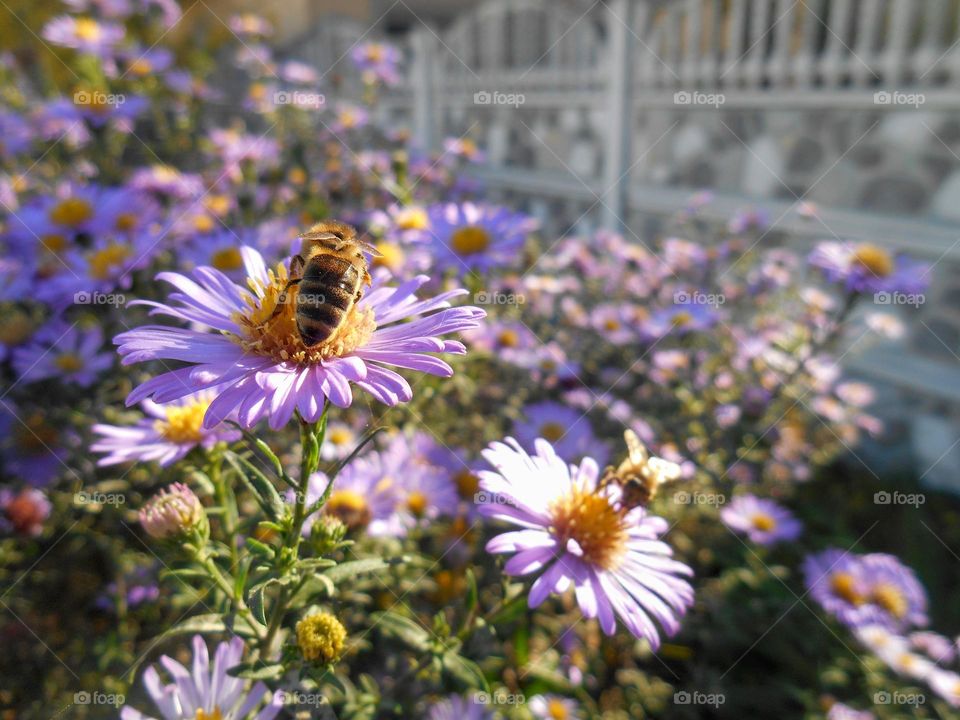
pixel 255 601
pixel 356 567
pixel 472 592
pixel 259 485
pixel 315 564
pixel 256 671
pixel 465 672
pixel 260 548
pixel 314 585
pixel 403 629
pixel 267 452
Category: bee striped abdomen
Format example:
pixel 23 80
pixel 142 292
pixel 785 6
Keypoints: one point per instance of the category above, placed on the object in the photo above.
pixel 327 291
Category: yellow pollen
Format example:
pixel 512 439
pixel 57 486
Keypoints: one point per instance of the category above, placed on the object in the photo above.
pixel 890 598
pixel 611 324
pixel 470 240
pixel 15 326
pixel 391 256
pixel 556 710
pixel 112 257
pixel 212 715
pixel 339 436
pixel 467 483
pixel 874 259
pixel 412 218
pixel 349 507
pixel 126 222
pixel 417 503
pixel 140 66
pixel 69 362
pixel 843 585
pixel 87 28
pixel 682 318
pixel 763 522
pixel 203 223
pixel 321 637
pixel 597 526
pixel 275 335
pixel 183 425
pixel 217 204
pixel 72 212
pixel 54 244
pixel 552 431
pixel 508 338
pixel 227 260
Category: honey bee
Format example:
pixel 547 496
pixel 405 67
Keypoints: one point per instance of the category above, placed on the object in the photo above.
pixel 640 475
pixel 330 271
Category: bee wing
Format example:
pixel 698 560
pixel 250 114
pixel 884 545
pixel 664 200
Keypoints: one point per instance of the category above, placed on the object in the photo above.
pixel 369 248
pixel 663 470
pixel 321 236
pixel 635 448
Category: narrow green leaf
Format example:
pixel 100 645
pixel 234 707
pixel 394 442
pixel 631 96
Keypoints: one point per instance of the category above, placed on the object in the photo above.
pixel 403 629
pixel 258 484
pixel 465 672
pixel 256 671
pixel 256 603
pixel 347 570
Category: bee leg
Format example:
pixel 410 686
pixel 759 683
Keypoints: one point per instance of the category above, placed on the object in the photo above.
pixel 282 300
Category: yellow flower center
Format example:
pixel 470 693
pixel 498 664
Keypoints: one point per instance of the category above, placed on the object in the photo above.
pixel 228 259
pixel 874 259
pixel 508 338
pixel 412 218
pixel 15 326
pixel 350 508
pixel 217 204
pixel 69 362
pixel 126 222
pixel 321 638
pixel 183 424
pixel 112 257
pixel 556 710
pixel 597 526
pixel 552 431
pixel 890 598
pixel 273 334
pixel 682 318
pixel 844 586
pixel 297 176
pixel 763 522
pixel 87 28
pixel 72 212
pixel 467 483
pixel 375 53
pixel 141 67
pixel 339 436
pixel 212 715
pixel 54 244
pixel 470 240
pixel 417 503
pixel 468 147
pixel 391 256
pixel 611 325
pixel 203 223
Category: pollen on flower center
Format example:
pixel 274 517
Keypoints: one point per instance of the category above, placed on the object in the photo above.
pixel 227 260
pixel 556 710
pixel 593 523
pixel 126 222
pixel 874 259
pixel 184 424
pixel 413 218
pixel 273 334
pixel 467 483
pixel 417 503
pixel 214 714
pixel 105 260
pixel 552 431
pixel 890 598
pixel 764 522
pixel 72 212
pixel 470 240
pixel 87 28
pixel 69 362
pixel 682 318
pixel 391 256
pixel 350 508
pixel 843 585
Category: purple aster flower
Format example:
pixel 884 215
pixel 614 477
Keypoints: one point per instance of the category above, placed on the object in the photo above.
pixel 377 61
pixel 16 134
pixel 257 359
pixel 166 435
pixel 364 498
pixel 250 25
pixel 615 322
pixel 567 429
pixel 167 182
pixel 400 223
pixel 464 148
pixel 761 520
pixel 17 326
pixel 349 117
pixel 680 320
pixel 874 589
pixel 553 707
pixel 64 352
pixel 205 691
pixel 469 237
pixel 940 648
pixel 577 534
pixel 84 34
pixel 458 708
pixel 867 268
pixel 839 711
pixel 508 341
pixel 946 684
pixel 23 513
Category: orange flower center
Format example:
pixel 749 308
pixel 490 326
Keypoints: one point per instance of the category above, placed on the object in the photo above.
pixel 552 431
pixel 467 483
pixel 391 256
pixel 183 424
pixel 764 522
pixel 890 598
pixel 72 212
pixel 228 259
pixel 112 257
pixel 350 508
pixel 874 259
pixel 844 586
pixel 470 240
pixel 594 523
